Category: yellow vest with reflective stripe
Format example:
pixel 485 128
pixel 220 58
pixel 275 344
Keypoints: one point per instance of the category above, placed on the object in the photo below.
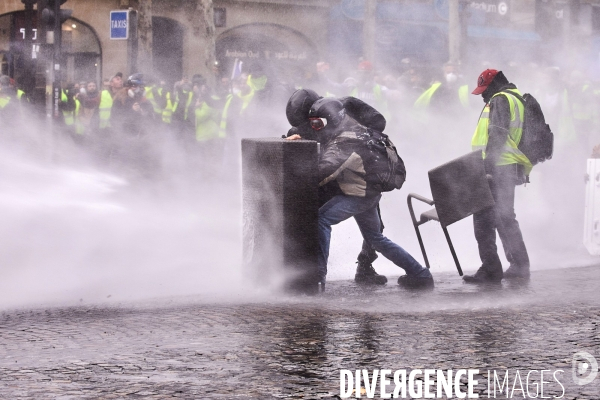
pixel 167 113
pixel 104 109
pixel 69 116
pixel 223 124
pixel 72 118
pixel 463 95
pixel 187 103
pixel 4 101
pixel 206 127
pixel 150 97
pixel 511 153
pixel 424 99
pixel 246 99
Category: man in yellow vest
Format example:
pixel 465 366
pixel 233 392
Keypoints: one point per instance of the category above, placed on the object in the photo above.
pixel 9 107
pixel 71 111
pixel 498 134
pixel 449 96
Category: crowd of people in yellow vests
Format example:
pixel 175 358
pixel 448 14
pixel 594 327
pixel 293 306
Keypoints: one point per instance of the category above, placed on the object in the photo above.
pixel 209 122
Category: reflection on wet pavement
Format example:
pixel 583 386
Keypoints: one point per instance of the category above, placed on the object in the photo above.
pixel 294 347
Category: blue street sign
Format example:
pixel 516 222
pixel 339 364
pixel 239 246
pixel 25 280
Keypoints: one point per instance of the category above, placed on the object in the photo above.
pixel 119 25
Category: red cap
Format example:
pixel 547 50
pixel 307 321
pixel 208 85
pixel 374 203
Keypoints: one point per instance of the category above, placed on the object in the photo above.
pixel 484 80
pixel 365 66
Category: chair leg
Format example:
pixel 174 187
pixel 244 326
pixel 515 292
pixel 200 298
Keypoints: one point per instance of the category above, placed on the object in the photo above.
pixel 422 246
pixel 452 251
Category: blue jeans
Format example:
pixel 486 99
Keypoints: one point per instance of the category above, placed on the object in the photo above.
pixel 364 211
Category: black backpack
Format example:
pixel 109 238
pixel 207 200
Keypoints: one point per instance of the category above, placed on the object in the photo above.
pixel 537 141
pixel 385 169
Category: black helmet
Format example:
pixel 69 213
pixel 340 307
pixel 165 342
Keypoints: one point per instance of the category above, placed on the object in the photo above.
pixel 330 109
pixel 299 105
pixel 135 80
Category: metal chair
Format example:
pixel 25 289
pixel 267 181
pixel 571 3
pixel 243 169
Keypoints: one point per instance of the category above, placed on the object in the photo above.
pixel 427 216
pixel 459 188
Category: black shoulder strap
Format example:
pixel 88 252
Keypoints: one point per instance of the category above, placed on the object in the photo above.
pixel 518 96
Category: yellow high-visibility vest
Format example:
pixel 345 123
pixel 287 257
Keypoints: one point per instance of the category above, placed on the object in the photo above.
pixel 4 101
pixel 511 153
pixel 425 98
pixel 206 127
pixel 223 124
pixel 106 103
pixel 187 103
pixel 69 116
pixel 150 97
pixel 72 118
pixel 246 99
pixel 463 95
pixel 167 113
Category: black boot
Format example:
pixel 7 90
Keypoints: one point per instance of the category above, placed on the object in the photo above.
pixel 416 282
pixel 484 276
pixel 514 272
pixel 365 274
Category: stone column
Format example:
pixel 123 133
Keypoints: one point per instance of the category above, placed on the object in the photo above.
pixel 199 56
pixel 144 28
pixel 454 32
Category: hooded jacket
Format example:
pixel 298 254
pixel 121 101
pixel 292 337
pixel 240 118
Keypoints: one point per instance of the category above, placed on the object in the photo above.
pixel 355 108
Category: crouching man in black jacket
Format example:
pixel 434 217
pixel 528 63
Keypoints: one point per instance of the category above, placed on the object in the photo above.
pixel 345 160
pixel 296 111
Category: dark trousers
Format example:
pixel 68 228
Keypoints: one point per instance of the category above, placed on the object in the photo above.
pixel 368 254
pixel 501 217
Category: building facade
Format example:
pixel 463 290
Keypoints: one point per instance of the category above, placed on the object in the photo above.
pixel 172 39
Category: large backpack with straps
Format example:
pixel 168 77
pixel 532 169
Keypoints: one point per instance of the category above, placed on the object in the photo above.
pixel 537 141
pixel 385 169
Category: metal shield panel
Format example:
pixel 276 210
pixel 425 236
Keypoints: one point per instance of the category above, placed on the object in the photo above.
pixel 460 188
pixel 280 211
pixel 591 223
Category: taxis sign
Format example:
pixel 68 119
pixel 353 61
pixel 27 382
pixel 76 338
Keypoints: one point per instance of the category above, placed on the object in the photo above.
pixel 119 25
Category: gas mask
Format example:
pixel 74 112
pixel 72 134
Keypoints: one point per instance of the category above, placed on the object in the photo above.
pixel 317 123
pixel 135 92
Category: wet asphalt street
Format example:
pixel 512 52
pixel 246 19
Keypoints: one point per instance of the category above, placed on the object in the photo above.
pixel 294 347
